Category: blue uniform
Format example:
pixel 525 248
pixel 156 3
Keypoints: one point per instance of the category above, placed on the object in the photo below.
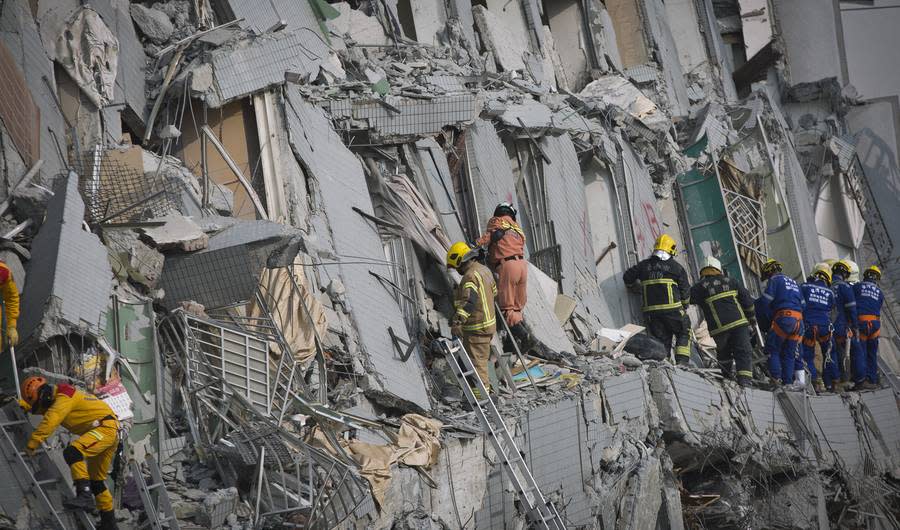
pixel 817 323
pixel 845 323
pixel 786 303
pixel 869 299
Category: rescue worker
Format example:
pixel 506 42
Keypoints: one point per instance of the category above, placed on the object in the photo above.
pixel 869 299
pixel 728 309
pixel 474 319
pixel 785 302
pixel 817 321
pixel 10 294
pixel 91 454
pixel 845 324
pixel 666 292
pixel 505 242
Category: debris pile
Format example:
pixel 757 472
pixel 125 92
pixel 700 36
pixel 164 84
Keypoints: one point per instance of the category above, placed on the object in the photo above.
pixel 229 220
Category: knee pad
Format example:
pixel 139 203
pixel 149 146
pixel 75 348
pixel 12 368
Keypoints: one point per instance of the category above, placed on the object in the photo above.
pixel 98 487
pixel 71 455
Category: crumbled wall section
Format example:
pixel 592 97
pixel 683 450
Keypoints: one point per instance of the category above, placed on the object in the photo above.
pixel 342 186
pixel 261 16
pixel 567 211
pixel 18 32
pixel 491 175
pixel 75 275
pixel 20 115
pixel 415 116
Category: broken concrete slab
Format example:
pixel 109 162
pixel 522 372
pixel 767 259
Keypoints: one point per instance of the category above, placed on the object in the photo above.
pixel 177 233
pixel 358 26
pixel 373 308
pixel 75 285
pixel 618 92
pixel 409 116
pixel 505 42
pixel 154 24
pixel 252 66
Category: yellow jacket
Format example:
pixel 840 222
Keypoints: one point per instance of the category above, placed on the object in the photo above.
pixel 474 300
pixel 77 411
pixel 10 295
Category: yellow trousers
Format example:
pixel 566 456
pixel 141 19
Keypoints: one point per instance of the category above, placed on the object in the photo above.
pixel 479 348
pixel 98 446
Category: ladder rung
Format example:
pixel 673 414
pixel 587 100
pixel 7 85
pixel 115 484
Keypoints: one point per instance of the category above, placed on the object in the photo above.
pixel 467 374
pixel 47 481
pixel 12 423
pixel 154 486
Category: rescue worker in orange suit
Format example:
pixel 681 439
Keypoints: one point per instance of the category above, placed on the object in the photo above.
pixel 10 294
pixel 786 304
pixel 505 242
pixel 817 321
pixel 91 454
pixel 666 292
pixel 728 309
pixel 869 299
pixel 474 319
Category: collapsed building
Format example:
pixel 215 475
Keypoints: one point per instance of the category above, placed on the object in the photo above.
pixel 230 219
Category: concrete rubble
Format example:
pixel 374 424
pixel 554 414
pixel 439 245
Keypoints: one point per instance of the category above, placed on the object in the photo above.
pixel 235 213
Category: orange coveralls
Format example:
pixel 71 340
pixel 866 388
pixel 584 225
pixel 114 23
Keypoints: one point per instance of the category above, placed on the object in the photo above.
pixel 506 256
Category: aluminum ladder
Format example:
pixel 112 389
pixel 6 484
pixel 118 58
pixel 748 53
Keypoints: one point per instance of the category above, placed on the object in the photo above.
pixel 154 496
pixel 13 419
pixel 541 512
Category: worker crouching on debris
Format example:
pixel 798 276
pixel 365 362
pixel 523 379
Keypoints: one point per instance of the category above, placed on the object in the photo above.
pixel 505 242
pixel 728 309
pixel 869 299
pixel 10 296
pixel 665 291
pixel 474 319
pixel 845 325
pixel 817 328
pixel 90 455
pixel 785 303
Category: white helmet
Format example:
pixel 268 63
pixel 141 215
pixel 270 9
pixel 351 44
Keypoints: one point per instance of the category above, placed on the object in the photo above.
pixel 854 271
pixel 710 262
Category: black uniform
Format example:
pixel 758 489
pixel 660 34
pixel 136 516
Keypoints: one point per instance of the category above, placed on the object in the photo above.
pixel 664 286
pixel 728 309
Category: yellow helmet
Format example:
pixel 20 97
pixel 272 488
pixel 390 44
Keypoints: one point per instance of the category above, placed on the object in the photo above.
pixel 872 272
pixel 823 271
pixel 841 267
pixel 456 254
pixel 770 267
pixel 666 243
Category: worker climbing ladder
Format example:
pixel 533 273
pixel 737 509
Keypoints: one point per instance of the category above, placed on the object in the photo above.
pixel 154 495
pixel 541 513
pixel 14 430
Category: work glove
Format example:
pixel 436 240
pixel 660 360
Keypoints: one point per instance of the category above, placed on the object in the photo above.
pixel 12 336
pixel 32 447
pixel 456 330
pixel 25 405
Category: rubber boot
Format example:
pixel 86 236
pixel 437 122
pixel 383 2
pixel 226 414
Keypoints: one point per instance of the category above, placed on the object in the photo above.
pixel 819 385
pixel 108 521
pixel 744 381
pixel 84 499
pixel 682 360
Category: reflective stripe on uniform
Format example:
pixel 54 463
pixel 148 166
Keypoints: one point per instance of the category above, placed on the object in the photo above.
pixel 683 350
pixel 669 283
pixel 488 310
pixel 712 308
pixel 506 225
pixel 745 373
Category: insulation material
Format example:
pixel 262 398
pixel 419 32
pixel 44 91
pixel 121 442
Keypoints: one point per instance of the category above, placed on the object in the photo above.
pixel 373 308
pixel 406 207
pixel 89 52
pixel 616 91
pixel 567 211
pixel 418 441
pixel 299 315
pixel 630 39
pixel 504 36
